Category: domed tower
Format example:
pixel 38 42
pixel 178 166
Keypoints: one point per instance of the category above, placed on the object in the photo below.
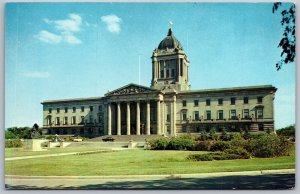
pixel 170 65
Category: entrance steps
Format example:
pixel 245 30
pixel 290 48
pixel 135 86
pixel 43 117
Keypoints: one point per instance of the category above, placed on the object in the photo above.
pixel 126 138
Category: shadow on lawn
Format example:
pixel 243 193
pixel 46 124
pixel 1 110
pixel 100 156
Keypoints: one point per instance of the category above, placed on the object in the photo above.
pixel 260 182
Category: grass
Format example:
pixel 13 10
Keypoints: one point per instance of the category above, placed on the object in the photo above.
pixel 136 162
pixel 17 152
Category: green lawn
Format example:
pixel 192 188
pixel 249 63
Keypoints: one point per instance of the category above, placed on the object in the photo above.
pixel 16 152
pixel 136 162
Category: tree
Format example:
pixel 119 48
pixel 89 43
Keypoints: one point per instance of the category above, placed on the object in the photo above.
pixel 288 41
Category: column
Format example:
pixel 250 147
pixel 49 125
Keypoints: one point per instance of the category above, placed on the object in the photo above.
pixel 174 116
pixel 178 69
pixel 148 118
pixel 158 118
pixel 138 131
pixel 119 119
pixel 128 118
pixel 163 117
pixel 109 119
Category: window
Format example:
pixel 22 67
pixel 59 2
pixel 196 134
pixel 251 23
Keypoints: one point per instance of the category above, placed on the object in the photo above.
pixel 57 110
pixel 82 119
pixel 220 101
pixel 233 114
pixel 66 109
pixel 246 99
pixel 66 120
pixel 232 101
pixel 259 99
pixel 208 115
pixel 181 67
pixel 167 73
pixel 91 108
pixel 173 73
pixel 49 121
pixel 259 113
pixel 74 109
pixel 196 102
pixel 168 117
pixel 207 102
pixel 100 118
pixel 57 122
pixel 220 114
pixel 100 108
pixel 184 103
pixel 50 110
pixel 73 120
pixel 196 115
pixel 184 116
pixel 246 113
pixel 260 127
pixel 82 109
pixel 161 73
pixel 91 119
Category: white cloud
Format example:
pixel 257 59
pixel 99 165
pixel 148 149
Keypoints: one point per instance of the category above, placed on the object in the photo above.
pixel 72 24
pixel 112 22
pixel 66 29
pixel 48 37
pixel 70 38
pixel 36 74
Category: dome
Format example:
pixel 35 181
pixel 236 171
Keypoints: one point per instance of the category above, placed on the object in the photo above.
pixel 169 42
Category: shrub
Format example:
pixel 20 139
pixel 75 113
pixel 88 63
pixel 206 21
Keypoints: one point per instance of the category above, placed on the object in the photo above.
pixel 268 145
pixel 44 144
pixel 238 142
pixel 200 157
pixel 213 156
pixel 202 145
pixel 14 143
pixel 242 153
pixel 181 143
pixel 220 146
pixel 246 134
pixel 212 134
pixel 162 144
pixel 203 136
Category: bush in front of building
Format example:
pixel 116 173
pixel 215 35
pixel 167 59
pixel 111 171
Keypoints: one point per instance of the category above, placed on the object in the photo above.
pixel 159 144
pixel 220 146
pixel 14 143
pixel 213 134
pixel 202 145
pixel 225 136
pixel 213 156
pixel 181 143
pixel 268 146
pixel 241 152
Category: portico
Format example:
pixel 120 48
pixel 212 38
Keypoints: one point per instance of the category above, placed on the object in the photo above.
pixel 134 110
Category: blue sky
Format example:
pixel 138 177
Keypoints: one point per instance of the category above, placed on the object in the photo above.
pixel 72 50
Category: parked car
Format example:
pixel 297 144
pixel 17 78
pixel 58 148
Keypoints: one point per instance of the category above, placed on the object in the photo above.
pixel 108 139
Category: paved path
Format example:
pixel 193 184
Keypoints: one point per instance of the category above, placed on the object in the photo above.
pixel 269 179
pixel 60 154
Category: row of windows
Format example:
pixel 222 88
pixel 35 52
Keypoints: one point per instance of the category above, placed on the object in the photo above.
pixel 220 101
pixel 73 120
pixel 220 114
pixel 74 109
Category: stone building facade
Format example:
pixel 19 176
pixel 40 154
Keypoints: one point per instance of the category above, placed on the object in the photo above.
pixel 168 107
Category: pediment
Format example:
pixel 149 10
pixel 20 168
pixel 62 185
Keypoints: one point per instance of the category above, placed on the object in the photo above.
pixel 131 89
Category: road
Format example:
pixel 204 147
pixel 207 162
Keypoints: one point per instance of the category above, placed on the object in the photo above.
pixel 257 180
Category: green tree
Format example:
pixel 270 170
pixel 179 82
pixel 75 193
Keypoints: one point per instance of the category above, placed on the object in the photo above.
pixel 288 40
pixel 288 131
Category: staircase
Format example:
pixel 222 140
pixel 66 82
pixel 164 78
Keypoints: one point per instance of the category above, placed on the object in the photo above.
pixel 126 138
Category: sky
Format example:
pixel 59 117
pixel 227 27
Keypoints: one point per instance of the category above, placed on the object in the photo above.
pixel 75 50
